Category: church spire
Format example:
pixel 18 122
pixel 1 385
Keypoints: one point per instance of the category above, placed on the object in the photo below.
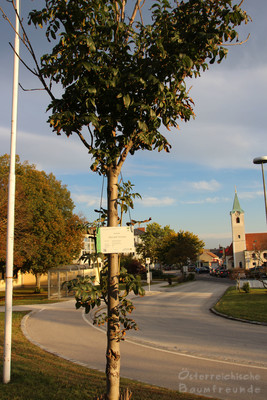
pixel 236 205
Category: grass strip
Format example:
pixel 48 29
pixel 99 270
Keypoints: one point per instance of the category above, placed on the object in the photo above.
pixel 22 296
pixel 250 306
pixel 38 375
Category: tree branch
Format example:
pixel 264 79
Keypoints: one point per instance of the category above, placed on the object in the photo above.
pixel 136 8
pixel 26 41
pixel 123 10
pixel 124 154
pixel 25 65
pixel 237 43
pixel 83 140
pixel 91 134
pixel 29 90
pixel 117 12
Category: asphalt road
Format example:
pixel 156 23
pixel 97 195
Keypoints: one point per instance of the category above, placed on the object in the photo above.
pixel 180 345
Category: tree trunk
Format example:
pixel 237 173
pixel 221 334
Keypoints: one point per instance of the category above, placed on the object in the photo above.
pixel 38 281
pixel 113 328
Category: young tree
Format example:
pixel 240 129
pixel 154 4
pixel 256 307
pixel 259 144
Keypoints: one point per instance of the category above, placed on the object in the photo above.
pixel 47 232
pixel 122 79
pixel 179 248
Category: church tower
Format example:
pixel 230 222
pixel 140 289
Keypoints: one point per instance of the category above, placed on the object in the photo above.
pixel 238 234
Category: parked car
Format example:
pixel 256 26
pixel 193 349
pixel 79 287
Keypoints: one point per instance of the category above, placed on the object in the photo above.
pixel 222 272
pixel 213 270
pixel 202 270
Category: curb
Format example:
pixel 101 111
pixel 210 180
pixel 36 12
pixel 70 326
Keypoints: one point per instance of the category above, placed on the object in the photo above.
pixel 219 314
pixel 237 319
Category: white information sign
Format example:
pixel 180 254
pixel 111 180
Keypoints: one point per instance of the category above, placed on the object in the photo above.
pixel 115 240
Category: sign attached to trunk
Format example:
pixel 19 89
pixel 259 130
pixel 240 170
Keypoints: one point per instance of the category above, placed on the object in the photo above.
pixel 115 240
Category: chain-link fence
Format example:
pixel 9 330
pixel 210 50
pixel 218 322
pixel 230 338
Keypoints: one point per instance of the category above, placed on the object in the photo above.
pixel 56 278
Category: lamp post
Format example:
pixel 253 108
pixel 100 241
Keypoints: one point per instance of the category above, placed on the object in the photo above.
pixel 262 160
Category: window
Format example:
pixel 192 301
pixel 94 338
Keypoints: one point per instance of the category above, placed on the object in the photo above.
pixel 239 236
pixel 265 256
pixel 240 264
pixel 238 220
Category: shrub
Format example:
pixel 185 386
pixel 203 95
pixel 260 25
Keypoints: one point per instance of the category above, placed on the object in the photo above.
pixel 157 273
pixel 246 287
pixel 190 277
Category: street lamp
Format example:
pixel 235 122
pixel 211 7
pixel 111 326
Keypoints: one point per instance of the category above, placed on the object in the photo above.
pixel 262 160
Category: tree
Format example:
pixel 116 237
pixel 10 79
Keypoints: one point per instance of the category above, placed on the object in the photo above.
pixel 122 79
pixel 152 239
pixel 181 247
pixel 47 232
pixel 22 220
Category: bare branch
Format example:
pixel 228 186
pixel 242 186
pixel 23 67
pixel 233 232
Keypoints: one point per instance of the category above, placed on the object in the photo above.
pixel 136 8
pixel 83 140
pixel 26 41
pixel 140 12
pixel 123 10
pixel 29 90
pixel 91 134
pixel 117 12
pixel 237 43
pixel 31 70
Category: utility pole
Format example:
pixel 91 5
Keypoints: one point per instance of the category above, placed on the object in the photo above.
pixel 11 213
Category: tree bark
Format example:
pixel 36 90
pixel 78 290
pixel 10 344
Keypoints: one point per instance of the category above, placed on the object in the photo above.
pixel 113 326
pixel 38 281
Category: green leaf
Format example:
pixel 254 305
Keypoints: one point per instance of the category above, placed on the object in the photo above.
pixel 127 100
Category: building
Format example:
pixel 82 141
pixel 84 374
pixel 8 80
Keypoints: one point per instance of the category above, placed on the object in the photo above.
pixel 247 250
pixel 208 259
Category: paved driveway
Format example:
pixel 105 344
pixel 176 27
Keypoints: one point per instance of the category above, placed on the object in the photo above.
pixel 180 345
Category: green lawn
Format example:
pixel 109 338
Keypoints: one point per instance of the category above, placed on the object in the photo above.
pixel 38 375
pixel 249 306
pixel 23 296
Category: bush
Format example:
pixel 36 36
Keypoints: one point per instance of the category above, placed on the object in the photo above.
pixel 190 277
pixel 246 287
pixel 157 273
pixel 132 265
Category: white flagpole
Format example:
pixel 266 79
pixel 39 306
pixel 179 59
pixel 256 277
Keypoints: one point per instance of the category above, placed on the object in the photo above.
pixel 11 214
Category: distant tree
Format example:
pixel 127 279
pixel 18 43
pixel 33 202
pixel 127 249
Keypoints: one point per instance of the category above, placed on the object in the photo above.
pixel 152 239
pixel 181 247
pixel 47 232
pixel 132 265
pixel 23 218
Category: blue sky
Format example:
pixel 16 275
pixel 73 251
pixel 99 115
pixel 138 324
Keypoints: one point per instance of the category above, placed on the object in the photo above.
pixel 192 188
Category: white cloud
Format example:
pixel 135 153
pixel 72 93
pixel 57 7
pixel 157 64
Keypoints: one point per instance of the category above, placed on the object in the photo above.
pixel 86 199
pixel 211 185
pixel 209 200
pixel 48 151
pixel 250 195
pixel 155 201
